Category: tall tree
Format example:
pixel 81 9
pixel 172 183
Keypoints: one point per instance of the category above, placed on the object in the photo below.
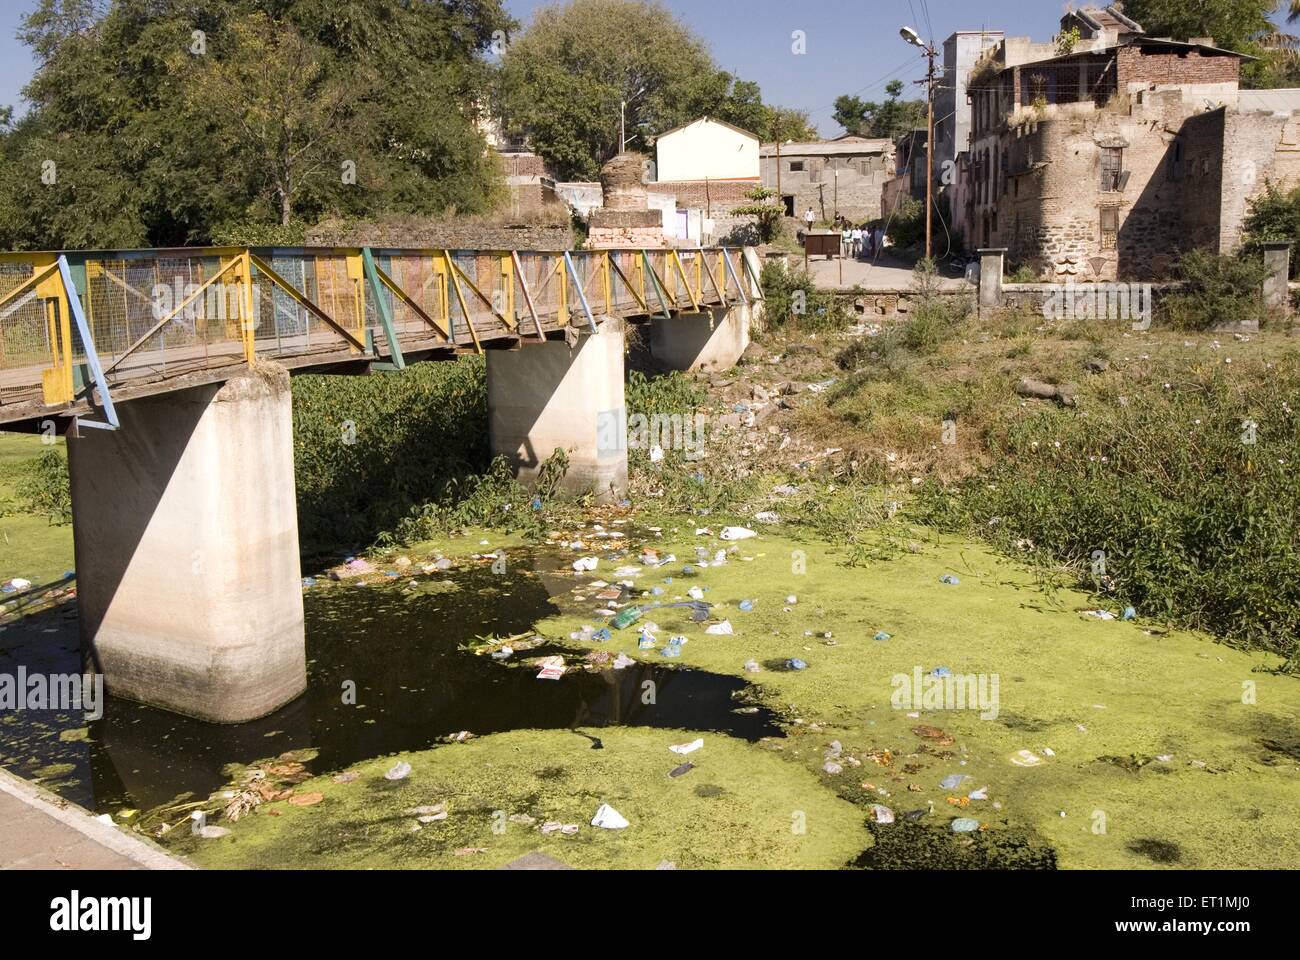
pixel 1234 24
pixel 1241 25
pixel 889 119
pixel 143 111
pixel 565 80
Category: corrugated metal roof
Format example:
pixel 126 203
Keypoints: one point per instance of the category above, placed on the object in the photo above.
pixel 825 148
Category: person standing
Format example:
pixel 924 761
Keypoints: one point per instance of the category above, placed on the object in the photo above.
pixel 857 243
pixel 809 219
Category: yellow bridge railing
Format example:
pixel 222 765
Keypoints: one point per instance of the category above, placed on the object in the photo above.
pixel 155 315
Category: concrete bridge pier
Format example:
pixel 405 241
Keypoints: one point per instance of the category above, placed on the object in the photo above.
pixel 710 341
pixel 548 396
pixel 714 339
pixel 186 531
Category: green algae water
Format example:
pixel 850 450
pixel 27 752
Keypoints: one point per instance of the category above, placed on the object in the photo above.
pixel 1084 743
pixel 386 673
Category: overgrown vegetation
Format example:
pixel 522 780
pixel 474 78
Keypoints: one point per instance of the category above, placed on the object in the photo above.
pixel 794 300
pixel 1216 289
pixel 1187 489
pixel 367 450
pixel 1273 217
pixel 43 489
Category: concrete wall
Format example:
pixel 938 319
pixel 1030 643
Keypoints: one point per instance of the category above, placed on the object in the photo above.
pixel 829 177
pixel 547 396
pixel 952 109
pixel 186 532
pixel 709 150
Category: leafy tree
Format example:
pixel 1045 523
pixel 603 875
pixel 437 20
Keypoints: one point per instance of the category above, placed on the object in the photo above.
pixel 143 111
pixel 766 209
pixel 1273 217
pixel 562 83
pixel 889 119
pixel 1234 24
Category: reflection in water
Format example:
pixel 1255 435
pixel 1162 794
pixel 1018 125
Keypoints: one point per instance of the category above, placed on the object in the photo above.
pixel 399 649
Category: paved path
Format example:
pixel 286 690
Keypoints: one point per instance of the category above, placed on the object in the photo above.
pixel 40 831
pixel 887 273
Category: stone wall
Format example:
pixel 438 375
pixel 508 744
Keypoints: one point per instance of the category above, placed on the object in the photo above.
pixel 1037 187
pixel 442 235
pixel 625 230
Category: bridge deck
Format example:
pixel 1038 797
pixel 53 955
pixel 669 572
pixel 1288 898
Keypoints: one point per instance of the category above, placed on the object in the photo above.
pixel 161 320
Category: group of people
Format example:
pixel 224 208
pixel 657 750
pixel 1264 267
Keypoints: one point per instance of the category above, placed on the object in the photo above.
pixel 860 241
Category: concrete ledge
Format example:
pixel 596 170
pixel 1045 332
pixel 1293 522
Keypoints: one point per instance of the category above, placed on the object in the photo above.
pixel 60 826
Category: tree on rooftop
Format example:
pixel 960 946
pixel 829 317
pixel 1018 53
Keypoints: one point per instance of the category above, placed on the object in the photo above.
pixel 1234 24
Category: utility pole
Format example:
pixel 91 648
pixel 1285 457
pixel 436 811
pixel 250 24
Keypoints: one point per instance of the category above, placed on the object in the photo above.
pixel 622 126
pixel 931 54
pixel 929 156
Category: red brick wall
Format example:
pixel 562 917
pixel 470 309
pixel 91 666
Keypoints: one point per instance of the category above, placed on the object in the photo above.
pixel 1135 66
pixel 720 197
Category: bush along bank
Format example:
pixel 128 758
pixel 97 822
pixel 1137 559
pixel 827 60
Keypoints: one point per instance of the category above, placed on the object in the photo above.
pixel 1179 499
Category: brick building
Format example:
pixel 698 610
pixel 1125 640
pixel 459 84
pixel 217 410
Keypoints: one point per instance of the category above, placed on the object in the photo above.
pixel 1106 157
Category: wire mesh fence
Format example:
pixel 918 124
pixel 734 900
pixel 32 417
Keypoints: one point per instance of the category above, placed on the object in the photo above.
pixel 159 314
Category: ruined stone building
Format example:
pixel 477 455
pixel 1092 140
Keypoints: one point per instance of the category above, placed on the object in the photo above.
pixel 1104 154
pixel 844 176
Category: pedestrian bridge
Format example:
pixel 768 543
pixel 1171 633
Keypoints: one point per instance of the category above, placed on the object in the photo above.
pixel 152 321
pixel 169 372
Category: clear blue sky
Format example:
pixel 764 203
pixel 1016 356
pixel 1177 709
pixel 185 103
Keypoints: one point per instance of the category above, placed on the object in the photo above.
pixel 853 45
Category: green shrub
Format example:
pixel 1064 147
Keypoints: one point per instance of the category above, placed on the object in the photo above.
pixel 793 299
pixel 1216 290
pixel 369 449
pixel 1198 525
pixel 1273 217
pixel 43 487
pixel 934 318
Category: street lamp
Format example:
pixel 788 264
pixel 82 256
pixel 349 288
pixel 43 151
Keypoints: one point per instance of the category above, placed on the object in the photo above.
pixel 914 38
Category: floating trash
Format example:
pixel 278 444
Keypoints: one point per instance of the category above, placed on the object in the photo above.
pixel 965 825
pixel 881 636
pixel 737 533
pixel 794 663
pixel 949 579
pixel 1025 758
pixel 399 772
pixel 607 818
pixel 882 814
